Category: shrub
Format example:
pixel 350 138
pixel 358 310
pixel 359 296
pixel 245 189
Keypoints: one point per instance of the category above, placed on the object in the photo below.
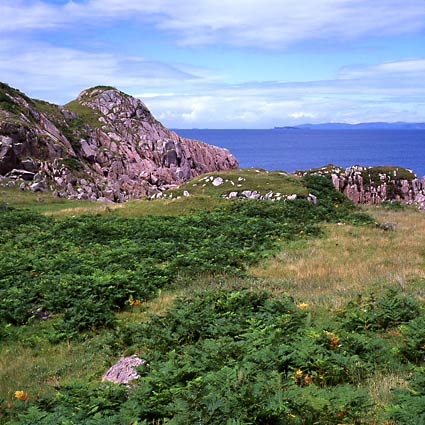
pixel 225 357
pixel 409 403
pixel 383 312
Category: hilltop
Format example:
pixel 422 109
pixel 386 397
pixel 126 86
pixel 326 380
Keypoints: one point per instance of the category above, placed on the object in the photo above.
pixel 104 144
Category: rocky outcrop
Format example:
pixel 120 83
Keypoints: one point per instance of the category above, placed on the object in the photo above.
pixel 372 185
pixel 105 144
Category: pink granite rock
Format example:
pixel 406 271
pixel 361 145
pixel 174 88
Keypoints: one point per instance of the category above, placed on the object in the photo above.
pixel 122 151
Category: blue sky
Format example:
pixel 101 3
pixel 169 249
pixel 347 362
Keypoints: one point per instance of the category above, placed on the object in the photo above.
pixel 225 64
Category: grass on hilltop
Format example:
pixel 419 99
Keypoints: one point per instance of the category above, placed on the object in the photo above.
pixel 85 114
pixel 239 180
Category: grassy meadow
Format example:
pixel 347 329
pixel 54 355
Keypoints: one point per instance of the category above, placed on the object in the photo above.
pixel 251 312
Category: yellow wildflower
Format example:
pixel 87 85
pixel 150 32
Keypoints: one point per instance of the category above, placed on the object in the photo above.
pixel 297 376
pixel 21 395
pixel 302 306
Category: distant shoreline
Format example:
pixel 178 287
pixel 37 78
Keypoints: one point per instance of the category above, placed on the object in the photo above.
pixel 360 126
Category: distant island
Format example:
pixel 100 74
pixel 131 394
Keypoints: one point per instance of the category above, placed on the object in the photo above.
pixel 361 126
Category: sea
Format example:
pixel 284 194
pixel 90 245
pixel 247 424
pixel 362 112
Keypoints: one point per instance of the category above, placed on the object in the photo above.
pixel 302 149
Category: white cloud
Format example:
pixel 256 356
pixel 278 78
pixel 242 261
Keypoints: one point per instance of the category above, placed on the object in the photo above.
pixel 186 96
pixel 59 73
pixel 259 23
pixel 301 115
pixel 378 95
pixel 409 68
pixel 379 92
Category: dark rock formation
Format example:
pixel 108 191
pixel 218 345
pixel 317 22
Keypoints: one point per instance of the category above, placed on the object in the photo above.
pixel 372 185
pixel 105 144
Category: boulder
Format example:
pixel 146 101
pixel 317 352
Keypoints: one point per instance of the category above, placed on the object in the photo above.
pixel 217 181
pixel 38 187
pixel 123 372
pixel 21 174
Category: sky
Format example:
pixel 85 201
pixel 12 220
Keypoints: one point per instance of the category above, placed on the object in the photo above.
pixel 225 63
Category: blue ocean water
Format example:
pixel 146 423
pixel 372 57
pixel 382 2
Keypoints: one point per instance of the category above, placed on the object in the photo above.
pixel 293 149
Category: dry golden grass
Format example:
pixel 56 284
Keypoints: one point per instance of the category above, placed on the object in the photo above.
pixel 350 259
pixel 37 370
pixel 157 306
pixel 380 386
pixel 90 209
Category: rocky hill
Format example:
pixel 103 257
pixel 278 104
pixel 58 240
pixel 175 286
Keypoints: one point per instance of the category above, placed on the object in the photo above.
pixel 103 145
pixel 372 185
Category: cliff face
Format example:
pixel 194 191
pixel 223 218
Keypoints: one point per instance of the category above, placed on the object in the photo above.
pixel 372 185
pixel 104 144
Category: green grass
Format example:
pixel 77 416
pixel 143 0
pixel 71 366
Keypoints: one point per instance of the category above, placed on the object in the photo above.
pixel 219 354
pixel 8 105
pixel 101 88
pixel 202 198
pixel 326 170
pixel 241 179
pixel 167 207
pixel 50 110
pixel 87 115
pixel 43 203
pixel 371 175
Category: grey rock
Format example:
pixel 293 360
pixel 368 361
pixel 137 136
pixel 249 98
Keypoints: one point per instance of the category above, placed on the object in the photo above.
pixel 369 185
pixel 312 198
pixel 387 226
pixel 21 174
pixel 29 165
pixel 218 181
pixel 123 372
pixel 38 187
pixel 103 199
